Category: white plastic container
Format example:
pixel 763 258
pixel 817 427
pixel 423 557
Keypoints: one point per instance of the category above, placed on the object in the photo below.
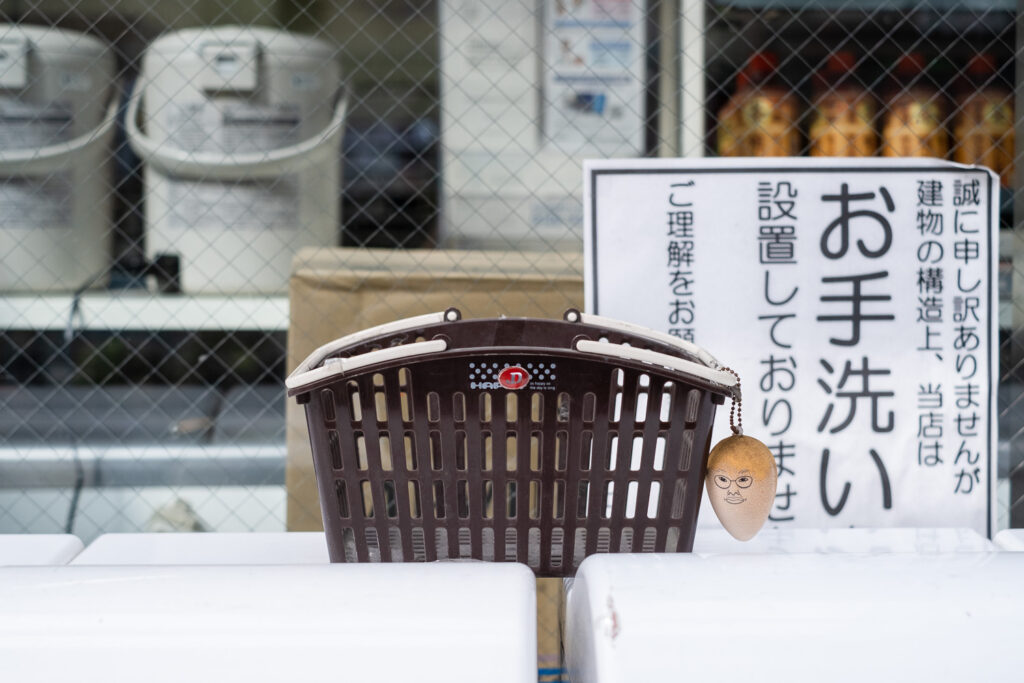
pixel 38 550
pixel 432 623
pixel 177 549
pixel 796 617
pixel 1010 539
pixel 57 112
pixel 241 151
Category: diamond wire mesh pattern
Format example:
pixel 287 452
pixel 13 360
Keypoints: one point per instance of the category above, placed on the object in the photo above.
pixel 126 406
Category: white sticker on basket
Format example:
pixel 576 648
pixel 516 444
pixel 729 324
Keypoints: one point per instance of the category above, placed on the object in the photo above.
pixel 512 375
pixel 856 299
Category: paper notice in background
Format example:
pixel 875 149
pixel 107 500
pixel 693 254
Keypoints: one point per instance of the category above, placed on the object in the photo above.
pixel 856 299
pixel 594 75
pixel 489 73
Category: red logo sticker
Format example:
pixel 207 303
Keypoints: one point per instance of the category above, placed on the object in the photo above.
pixel 514 377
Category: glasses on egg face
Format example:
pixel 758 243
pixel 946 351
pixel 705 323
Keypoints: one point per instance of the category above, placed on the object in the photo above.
pixel 724 482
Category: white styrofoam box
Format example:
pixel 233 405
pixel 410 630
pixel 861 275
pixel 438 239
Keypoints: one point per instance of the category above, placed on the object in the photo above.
pixel 443 622
pixel 37 549
pixel 291 548
pixel 1010 539
pixel 839 617
pixel 907 540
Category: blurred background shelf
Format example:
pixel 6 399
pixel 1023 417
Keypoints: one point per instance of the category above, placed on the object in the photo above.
pixel 136 436
pixel 143 311
pixel 123 458
pixel 862 5
pixel 122 401
pixel 213 465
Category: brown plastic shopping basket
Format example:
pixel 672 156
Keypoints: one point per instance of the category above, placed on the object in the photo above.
pixel 509 439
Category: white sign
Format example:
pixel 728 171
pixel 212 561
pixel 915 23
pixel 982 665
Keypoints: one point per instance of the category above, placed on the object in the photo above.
pixel 856 299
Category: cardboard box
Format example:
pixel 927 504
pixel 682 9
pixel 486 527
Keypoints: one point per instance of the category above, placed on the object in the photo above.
pixel 334 292
pixel 550 626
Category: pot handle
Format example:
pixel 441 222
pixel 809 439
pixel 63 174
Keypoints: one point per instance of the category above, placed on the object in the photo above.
pixel 31 161
pixel 216 165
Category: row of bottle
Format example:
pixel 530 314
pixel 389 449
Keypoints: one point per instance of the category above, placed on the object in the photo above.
pixel 763 117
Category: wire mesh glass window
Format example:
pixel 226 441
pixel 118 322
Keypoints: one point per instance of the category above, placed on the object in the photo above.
pixel 162 163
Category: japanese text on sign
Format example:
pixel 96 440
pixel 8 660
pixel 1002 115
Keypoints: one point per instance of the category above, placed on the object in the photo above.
pixel 856 302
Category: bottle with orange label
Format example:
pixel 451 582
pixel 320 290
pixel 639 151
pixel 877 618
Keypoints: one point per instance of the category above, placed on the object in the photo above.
pixel 983 129
pixel 844 112
pixel 730 130
pixel 915 113
pixel 760 119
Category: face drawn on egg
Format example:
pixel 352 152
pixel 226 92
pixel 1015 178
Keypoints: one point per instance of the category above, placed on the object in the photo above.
pixel 741 482
pixel 734 487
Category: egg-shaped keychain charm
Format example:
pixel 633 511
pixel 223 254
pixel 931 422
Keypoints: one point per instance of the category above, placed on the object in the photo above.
pixel 741 480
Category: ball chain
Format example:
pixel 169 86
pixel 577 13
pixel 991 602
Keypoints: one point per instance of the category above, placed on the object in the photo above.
pixel 737 406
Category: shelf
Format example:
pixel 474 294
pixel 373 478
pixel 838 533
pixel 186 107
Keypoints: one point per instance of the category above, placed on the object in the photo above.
pixel 872 5
pixel 144 311
pixel 99 312
pixel 61 466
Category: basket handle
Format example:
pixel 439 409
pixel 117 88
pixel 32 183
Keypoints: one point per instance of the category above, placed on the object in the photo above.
pixel 318 356
pixel 30 160
pixel 657 358
pixel 341 366
pixel 213 165
pixel 319 366
pixel 630 328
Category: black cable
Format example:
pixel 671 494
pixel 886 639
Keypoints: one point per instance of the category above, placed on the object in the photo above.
pixel 74 314
pixel 65 354
pixel 76 492
pixel 76 307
